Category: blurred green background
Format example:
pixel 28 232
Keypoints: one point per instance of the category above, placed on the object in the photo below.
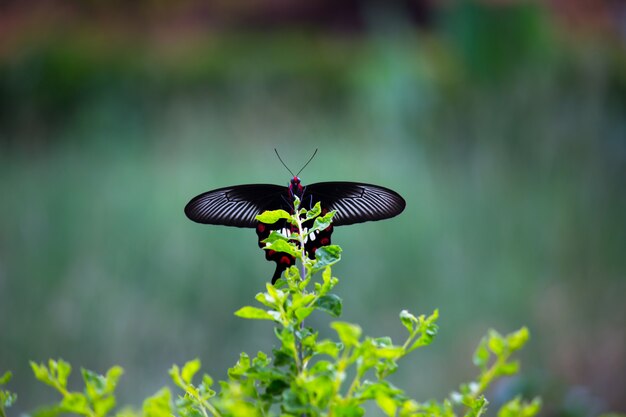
pixel 503 124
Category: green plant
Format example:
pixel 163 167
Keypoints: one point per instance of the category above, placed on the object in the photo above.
pixel 7 398
pixel 304 376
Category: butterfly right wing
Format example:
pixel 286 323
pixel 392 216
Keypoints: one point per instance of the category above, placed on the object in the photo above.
pixel 356 202
pixel 237 205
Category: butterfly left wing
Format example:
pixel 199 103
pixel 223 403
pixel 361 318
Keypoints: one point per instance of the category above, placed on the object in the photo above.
pixel 237 205
pixel 355 202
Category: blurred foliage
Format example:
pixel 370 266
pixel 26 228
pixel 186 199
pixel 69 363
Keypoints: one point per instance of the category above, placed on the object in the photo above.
pixel 504 132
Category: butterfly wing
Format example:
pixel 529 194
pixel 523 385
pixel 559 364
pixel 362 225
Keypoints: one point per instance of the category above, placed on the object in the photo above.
pixel 237 205
pixel 355 202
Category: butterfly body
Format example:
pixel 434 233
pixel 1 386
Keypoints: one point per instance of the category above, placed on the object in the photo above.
pixel 239 205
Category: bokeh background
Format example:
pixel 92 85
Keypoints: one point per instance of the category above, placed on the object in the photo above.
pixel 502 123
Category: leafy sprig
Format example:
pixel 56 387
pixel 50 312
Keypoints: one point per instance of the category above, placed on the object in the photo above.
pixel 7 398
pixel 97 398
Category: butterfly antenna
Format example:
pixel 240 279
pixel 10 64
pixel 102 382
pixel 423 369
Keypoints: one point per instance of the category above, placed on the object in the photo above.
pixel 310 159
pixel 281 161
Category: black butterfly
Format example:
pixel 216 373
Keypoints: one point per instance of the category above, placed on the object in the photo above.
pixel 238 206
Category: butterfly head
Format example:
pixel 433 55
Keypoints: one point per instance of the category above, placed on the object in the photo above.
pixel 295 188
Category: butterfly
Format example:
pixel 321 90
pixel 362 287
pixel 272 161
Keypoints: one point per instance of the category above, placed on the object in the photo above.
pixel 239 205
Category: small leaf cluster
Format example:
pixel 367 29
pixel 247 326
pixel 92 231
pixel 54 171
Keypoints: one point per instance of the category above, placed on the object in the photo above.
pixel 96 400
pixel 7 398
pixel 304 375
pixel 493 358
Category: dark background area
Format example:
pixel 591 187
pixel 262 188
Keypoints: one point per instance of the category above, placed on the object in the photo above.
pixel 502 123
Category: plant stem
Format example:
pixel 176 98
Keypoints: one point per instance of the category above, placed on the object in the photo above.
pixel 302 277
pixel 303 257
pixel 489 376
pixel 300 350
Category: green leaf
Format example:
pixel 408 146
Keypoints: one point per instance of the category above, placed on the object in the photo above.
pixel 326 256
pixel 392 352
pixel 518 339
pixel 52 411
pixel 112 377
pixel 385 368
pixel 408 320
pixel 287 339
pixel 348 409
pixel 75 402
pixel 275 315
pixel 277 295
pixel 296 204
pixel 261 360
pixel 265 299
pixel 314 212
pixel 327 276
pixel 328 282
pixel 62 370
pixel 320 389
pixel 323 367
pixel 518 408
pixel 103 405
pixel 303 312
pixel 382 342
pixel 276 387
pixel 509 368
pixel 328 347
pixel 292 274
pixel 41 373
pixel 275 236
pixel 94 383
pixel 477 407
pixel 175 375
pixel 284 247
pixel 330 303
pixel 428 329
pixel 433 317
pixel 511 408
pixel 409 408
pixel 321 223
pixel 496 342
pixel 253 313
pixel 293 404
pixel 158 405
pixel 348 333
pixel 308 344
pixel 386 403
pixel 298 300
pixel 128 412
pixel 532 408
pixel 282 357
pixel 207 380
pixel 240 368
pixel 190 369
pixel 7 398
pixel 5 378
pixel 481 355
pixel 272 216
